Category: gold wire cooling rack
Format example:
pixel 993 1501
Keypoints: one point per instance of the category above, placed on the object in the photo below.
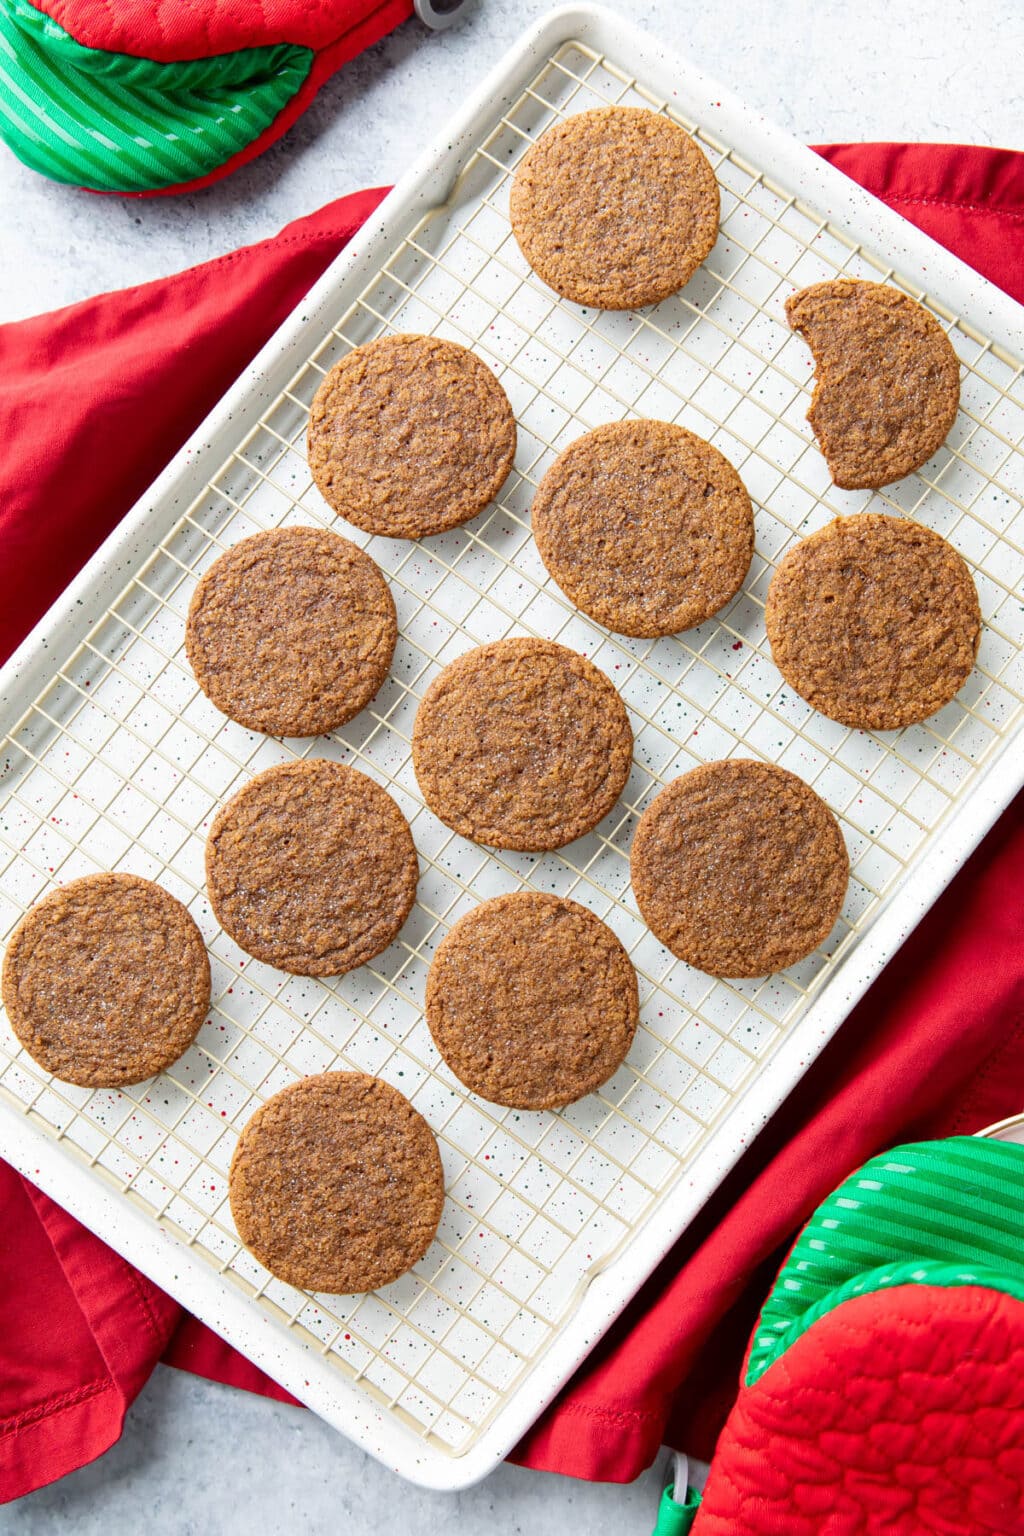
pixel 121 763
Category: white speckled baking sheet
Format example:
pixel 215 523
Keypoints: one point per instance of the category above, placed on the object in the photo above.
pixel 114 759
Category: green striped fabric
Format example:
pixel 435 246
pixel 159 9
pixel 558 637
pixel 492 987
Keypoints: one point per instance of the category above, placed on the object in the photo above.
pixel 117 123
pixel 932 1213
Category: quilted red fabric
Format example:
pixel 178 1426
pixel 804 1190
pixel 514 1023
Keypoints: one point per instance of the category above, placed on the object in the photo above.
pixel 899 1414
pixel 937 1045
pixel 166 30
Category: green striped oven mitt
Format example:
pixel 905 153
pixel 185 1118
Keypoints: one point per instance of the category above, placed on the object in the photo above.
pixel 146 96
pixel 883 1389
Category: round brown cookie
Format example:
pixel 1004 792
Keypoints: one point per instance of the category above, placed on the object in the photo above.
pixel 888 381
pixel 312 868
pixel 645 527
pixel 616 208
pixel 532 1001
pixel 106 981
pixel 336 1184
pixel 874 620
pixel 739 868
pixel 291 631
pixel 410 435
pixel 522 744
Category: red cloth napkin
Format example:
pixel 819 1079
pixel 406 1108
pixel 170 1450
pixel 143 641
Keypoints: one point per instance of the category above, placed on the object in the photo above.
pixel 936 1046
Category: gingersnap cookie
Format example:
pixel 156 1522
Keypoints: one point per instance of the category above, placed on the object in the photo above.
pixel 409 436
pixel 312 868
pixel 532 1001
pixel 292 631
pixel 888 380
pixel 522 744
pixel 336 1184
pixel 615 208
pixel 739 868
pixel 106 981
pixel 874 620
pixel 645 527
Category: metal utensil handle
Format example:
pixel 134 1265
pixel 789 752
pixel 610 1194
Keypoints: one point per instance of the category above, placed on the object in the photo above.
pixel 438 14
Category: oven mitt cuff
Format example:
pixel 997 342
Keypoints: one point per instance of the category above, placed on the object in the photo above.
pixel 933 1208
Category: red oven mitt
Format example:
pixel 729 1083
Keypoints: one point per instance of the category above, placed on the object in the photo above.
pixel 883 1388
pixel 167 95
pixel 936 1046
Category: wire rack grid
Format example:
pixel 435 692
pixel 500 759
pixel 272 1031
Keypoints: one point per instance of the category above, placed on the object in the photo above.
pixel 121 763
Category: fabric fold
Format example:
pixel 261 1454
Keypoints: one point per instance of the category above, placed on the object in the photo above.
pixel 81 1333
pixel 969 200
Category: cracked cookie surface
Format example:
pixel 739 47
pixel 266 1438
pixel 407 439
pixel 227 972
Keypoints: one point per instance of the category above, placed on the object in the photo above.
pixel 532 1001
pixel 106 981
pixel 887 385
pixel 615 207
pixel 336 1184
pixel 522 744
pixel 409 436
pixel 291 632
pixel 739 868
pixel 874 620
pixel 645 527
pixel 311 867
